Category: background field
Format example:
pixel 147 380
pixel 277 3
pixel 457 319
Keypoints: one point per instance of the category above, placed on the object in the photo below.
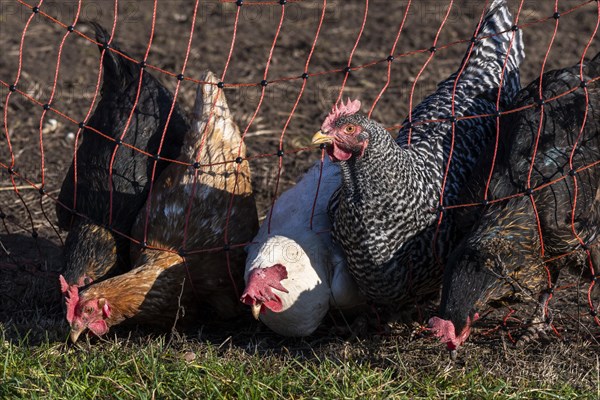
pixel 244 359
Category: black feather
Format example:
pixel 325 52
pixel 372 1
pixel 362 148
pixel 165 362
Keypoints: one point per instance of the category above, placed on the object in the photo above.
pixel 131 169
pixel 503 256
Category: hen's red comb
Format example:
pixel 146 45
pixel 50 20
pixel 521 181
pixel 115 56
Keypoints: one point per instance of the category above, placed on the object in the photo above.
pixel 71 293
pixel 351 107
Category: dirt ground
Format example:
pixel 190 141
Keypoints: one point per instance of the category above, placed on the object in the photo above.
pixel 31 244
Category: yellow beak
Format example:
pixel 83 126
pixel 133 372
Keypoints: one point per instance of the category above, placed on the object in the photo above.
pixel 256 310
pixel 320 138
pixel 75 334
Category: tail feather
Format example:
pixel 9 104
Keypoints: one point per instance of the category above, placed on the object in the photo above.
pixel 486 61
pixel 118 71
pixel 211 117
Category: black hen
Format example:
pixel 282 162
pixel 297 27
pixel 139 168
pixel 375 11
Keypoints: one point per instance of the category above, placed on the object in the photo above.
pixel 503 257
pixel 92 250
pixel 385 214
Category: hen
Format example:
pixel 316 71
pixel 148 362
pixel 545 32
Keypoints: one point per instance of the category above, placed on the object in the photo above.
pixel 503 256
pixel 295 273
pixel 385 213
pixel 204 280
pixel 92 249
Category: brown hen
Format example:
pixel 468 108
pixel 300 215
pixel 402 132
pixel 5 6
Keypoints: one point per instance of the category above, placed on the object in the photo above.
pixel 183 276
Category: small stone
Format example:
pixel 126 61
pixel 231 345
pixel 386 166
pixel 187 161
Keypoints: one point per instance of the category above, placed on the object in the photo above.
pixel 50 126
pixel 189 356
pixel 180 17
pixel 70 136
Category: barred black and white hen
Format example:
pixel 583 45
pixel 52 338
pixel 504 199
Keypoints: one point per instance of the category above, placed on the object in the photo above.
pixel 385 213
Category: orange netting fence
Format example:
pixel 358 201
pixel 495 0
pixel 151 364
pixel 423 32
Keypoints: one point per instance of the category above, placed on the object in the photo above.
pixel 11 81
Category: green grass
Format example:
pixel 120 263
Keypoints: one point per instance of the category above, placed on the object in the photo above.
pixel 156 367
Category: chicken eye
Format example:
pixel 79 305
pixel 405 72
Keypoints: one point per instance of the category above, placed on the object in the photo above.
pixel 87 309
pixel 350 129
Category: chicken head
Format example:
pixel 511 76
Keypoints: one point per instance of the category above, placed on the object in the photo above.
pixel 259 290
pixel 344 132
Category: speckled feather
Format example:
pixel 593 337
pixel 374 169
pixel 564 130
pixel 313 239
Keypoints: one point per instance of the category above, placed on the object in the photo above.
pixel 385 213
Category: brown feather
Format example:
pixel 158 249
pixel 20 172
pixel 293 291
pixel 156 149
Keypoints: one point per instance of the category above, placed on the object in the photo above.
pixel 152 291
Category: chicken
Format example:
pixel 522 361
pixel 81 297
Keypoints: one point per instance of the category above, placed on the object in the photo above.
pixel 502 258
pixel 295 273
pixel 200 271
pixel 92 249
pixel 385 214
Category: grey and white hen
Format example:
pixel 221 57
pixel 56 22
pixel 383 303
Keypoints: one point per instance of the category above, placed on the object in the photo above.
pixel 385 213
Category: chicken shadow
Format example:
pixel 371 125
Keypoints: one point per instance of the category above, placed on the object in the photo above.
pixel 30 295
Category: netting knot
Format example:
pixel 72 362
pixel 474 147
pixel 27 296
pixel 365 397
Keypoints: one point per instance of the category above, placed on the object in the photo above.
pixel 10 170
pixel 556 15
pixel 583 84
pixel 514 28
pixel 550 290
pixel 264 83
pixel 196 165
pixel 474 39
pixel 226 247
pixel 280 153
pixel 282 2
pixel 239 160
pixel 105 46
pixel 118 142
pixel 239 3
pixel 528 192
pixel 485 203
pixel 305 75
pixel 180 77
pixel 432 49
pixel 593 313
pixel 41 191
pixel 348 69
pixel 143 64
pixel 540 102
pixel 81 125
pixel 35 9
pixel 12 88
pixel 390 58
pixel 70 28
pixel 573 172
pixel 452 119
pixel 156 157
pixel 220 85
pixel 181 252
pixel 46 106
pixel 323 146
